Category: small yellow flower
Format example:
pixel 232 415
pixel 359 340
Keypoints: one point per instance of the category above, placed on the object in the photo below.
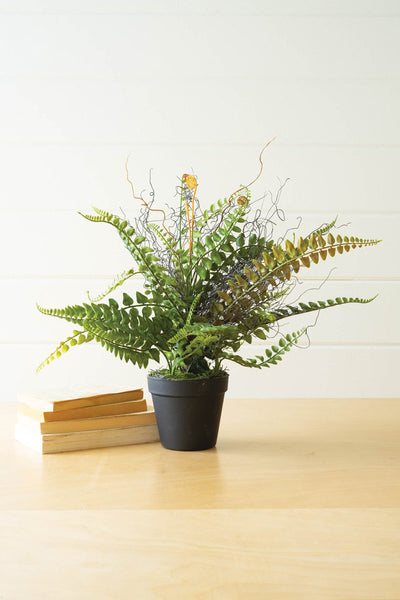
pixel 190 181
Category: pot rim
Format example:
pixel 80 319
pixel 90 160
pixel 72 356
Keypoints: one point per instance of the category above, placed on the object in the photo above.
pixel 183 387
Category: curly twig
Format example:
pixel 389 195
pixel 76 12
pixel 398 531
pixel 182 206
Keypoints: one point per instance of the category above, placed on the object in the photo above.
pixel 144 203
pixel 245 187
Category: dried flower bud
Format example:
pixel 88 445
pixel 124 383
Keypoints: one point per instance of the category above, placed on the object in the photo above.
pixel 242 200
pixel 190 181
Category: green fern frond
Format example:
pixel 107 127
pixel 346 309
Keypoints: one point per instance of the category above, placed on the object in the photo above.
pixel 302 308
pixel 121 344
pixel 118 280
pixel 198 346
pixel 74 314
pixel 324 229
pixel 167 242
pixel 221 207
pixel 273 355
pixel 217 246
pixel 198 329
pixel 204 341
pixel 192 308
pixel 144 256
pixel 78 338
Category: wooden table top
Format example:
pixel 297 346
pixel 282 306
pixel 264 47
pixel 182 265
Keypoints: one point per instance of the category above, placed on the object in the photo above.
pixel 300 499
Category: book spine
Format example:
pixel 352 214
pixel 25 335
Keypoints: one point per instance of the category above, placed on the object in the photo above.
pixel 53 402
pixel 105 410
pixel 86 440
pixel 98 400
pixel 100 423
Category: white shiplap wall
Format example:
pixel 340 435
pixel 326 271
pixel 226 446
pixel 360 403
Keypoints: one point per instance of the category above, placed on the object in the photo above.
pixel 200 85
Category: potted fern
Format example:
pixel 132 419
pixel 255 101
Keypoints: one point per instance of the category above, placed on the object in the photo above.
pixel 214 279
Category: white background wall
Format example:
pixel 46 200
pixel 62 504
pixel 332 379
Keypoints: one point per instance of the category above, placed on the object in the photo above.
pixel 202 86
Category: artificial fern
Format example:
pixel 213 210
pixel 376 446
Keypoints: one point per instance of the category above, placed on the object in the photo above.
pixel 212 284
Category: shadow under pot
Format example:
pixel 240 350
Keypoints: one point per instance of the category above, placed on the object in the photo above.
pixel 188 412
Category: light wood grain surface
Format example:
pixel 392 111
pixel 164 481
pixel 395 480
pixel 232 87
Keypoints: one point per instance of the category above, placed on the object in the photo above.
pixel 300 500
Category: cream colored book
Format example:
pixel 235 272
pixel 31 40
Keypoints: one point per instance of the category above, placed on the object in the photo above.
pixel 54 400
pixel 96 423
pixel 103 410
pixel 85 440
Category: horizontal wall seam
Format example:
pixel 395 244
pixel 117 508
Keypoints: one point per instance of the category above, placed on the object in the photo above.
pixel 191 144
pixel 91 277
pixel 211 13
pixel 150 78
pixel 255 344
pixel 308 212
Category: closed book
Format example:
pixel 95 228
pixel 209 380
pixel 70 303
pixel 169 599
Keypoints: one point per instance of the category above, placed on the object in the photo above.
pixel 96 423
pixel 85 440
pixel 102 410
pixel 61 399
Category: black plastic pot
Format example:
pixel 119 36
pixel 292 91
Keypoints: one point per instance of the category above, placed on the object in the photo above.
pixel 188 412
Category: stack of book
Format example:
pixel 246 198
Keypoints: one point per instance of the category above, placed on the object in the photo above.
pixel 56 422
